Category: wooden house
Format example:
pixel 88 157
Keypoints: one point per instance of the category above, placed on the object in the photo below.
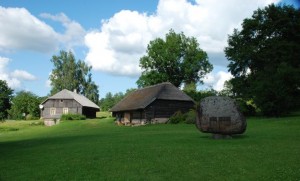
pixel 155 104
pixel 65 102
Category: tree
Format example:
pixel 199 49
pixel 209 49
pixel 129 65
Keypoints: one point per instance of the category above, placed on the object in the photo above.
pixel 177 59
pixel 5 97
pixel 110 100
pixel 72 75
pixel 264 59
pixel 25 102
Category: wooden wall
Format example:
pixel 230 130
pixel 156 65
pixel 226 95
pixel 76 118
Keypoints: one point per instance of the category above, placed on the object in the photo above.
pixel 166 108
pixel 158 109
pixel 72 105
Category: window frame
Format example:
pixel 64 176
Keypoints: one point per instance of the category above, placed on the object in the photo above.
pixel 65 110
pixel 52 111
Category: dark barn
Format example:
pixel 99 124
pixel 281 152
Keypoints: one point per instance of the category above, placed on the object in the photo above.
pixel 65 102
pixel 154 104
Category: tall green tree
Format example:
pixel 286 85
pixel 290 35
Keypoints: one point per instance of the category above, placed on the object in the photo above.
pixel 264 59
pixel 72 75
pixel 5 97
pixel 25 103
pixel 177 59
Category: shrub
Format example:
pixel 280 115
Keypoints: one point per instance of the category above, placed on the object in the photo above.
pixel 65 117
pixel 30 117
pixel 190 117
pixel 176 118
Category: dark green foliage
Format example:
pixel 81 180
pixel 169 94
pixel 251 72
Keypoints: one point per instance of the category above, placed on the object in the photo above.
pixel 190 117
pixel 198 95
pixel 247 107
pixel 72 75
pixel 178 117
pixel 25 103
pixel 5 97
pixel 177 59
pixel 264 59
pixel 70 117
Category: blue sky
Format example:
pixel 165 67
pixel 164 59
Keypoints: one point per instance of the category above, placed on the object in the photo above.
pixel 111 36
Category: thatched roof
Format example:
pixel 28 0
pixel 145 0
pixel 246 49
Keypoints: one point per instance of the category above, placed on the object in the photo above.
pixel 141 98
pixel 66 94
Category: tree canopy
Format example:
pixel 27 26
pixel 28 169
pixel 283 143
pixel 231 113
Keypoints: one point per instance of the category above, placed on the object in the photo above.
pixel 5 97
pixel 264 59
pixel 25 102
pixel 177 59
pixel 72 75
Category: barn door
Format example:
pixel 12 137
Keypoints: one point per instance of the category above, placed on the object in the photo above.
pixel 126 117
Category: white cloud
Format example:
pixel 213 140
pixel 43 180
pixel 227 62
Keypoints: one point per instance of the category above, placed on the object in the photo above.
pixel 216 80
pixel 22 75
pixel 74 32
pixel 122 39
pixel 14 79
pixel 21 30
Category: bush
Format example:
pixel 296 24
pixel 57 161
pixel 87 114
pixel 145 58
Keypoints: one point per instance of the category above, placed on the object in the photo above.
pixel 30 117
pixel 179 117
pixel 176 118
pixel 190 117
pixel 65 117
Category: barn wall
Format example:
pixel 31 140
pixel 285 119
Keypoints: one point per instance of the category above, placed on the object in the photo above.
pixel 157 112
pixel 72 105
pixel 166 108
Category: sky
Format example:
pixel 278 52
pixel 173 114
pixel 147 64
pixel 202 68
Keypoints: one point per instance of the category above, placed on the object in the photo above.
pixel 111 36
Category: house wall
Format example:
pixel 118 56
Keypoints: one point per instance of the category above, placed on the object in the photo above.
pixel 166 108
pixel 157 112
pixel 72 105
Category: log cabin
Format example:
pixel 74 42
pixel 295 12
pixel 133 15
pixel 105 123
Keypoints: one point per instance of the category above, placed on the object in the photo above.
pixel 65 102
pixel 153 104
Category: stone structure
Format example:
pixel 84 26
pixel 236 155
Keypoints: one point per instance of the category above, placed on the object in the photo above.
pixel 220 115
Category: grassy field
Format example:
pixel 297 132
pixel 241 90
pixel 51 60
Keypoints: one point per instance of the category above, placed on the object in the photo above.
pixel 100 150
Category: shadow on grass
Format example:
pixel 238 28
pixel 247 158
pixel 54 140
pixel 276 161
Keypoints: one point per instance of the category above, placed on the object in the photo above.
pixel 233 137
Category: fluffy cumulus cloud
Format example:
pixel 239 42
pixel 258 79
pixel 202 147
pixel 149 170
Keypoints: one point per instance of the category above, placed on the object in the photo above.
pixel 117 46
pixel 15 78
pixel 74 32
pixel 21 30
pixel 216 80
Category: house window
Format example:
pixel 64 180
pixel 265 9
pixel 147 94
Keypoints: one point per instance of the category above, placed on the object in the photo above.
pixel 52 111
pixel 65 110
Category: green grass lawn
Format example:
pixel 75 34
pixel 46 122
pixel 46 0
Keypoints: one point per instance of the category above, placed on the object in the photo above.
pixel 100 150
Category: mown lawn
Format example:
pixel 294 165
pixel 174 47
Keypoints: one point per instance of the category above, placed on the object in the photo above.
pixel 100 150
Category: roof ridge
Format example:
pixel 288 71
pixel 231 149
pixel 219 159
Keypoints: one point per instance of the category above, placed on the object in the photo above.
pixel 156 85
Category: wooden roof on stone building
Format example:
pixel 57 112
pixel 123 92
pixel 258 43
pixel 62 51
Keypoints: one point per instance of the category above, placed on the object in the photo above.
pixel 141 98
pixel 66 94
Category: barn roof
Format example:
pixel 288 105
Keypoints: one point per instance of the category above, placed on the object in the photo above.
pixel 66 94
pixel 141 98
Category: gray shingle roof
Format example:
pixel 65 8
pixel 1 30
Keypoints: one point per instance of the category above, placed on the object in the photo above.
pixel 141 98
pixel 66 94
